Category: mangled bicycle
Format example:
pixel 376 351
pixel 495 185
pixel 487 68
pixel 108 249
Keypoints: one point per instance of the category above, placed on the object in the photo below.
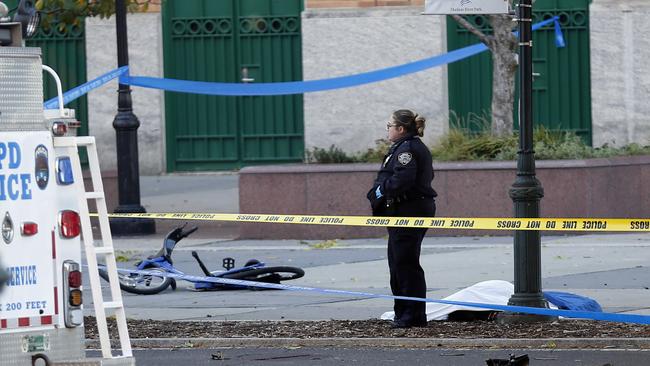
pixel 161 262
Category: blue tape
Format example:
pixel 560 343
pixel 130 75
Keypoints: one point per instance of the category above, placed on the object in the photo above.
pixel 83 89
pixel 610 317
pixel 300 87
pixel 559 37
pixel 281 88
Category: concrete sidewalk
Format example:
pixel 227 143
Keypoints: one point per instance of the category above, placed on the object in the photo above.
pixel 611 268
pixel 193 192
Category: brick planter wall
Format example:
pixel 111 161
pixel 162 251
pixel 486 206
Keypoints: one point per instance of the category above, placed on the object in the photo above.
pixel 109 181
pixel 615 187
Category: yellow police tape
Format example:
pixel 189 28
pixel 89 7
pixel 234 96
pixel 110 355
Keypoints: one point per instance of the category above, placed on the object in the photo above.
pixel 546 224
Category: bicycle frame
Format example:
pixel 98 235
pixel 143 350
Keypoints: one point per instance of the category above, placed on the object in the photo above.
pixel 163 263
pixel 158 262
pixel 254 270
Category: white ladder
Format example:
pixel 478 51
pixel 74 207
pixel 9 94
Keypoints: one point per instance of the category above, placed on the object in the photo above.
pixel 104 247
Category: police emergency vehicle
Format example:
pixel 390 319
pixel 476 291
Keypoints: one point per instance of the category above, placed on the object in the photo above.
pixel 41 311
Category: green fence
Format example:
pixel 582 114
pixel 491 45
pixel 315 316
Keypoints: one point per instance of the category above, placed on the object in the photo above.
pixel 232 41
pixel 561 91
pixel 64 50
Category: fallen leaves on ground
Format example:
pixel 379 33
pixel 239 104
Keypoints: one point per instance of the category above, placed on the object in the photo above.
pixel 372 328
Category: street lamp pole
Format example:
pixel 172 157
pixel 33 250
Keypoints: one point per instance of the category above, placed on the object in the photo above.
pixel 526 191
pixel 126 132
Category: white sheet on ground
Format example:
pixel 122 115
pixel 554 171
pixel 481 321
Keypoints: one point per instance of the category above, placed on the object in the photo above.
pixel 487 292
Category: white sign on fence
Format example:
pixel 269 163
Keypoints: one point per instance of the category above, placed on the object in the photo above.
pixel 466 6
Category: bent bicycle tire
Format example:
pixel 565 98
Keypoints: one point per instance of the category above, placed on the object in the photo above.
pixel 140 284
pixel 275 274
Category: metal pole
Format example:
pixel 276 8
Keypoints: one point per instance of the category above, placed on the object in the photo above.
pixel 526 191
pixel 126 132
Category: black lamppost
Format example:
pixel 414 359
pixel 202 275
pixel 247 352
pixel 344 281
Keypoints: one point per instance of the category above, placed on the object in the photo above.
pixel 126 131
pixel 526 191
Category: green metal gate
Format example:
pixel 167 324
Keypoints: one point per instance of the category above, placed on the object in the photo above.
pixel 232 41
pixel 64 50
pixel 561 91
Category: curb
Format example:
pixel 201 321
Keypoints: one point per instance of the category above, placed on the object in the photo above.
pixel 492 343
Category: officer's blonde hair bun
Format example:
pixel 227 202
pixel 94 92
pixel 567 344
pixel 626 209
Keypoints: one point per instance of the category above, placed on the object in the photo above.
pixel 420 123
pixel 413 122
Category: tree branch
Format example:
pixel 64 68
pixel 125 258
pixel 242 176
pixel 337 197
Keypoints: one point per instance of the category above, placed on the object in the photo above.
pixel 472 29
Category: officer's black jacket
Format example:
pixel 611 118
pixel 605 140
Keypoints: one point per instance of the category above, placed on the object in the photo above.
pixel 407 171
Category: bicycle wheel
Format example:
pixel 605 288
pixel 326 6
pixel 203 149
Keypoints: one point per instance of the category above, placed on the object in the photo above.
pixel 140 284
pixel 268 274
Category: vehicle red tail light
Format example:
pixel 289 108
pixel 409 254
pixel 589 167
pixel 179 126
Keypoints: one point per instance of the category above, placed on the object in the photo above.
pixel 69 224
pixel 29 228
pixel 74 279
pixel 72 310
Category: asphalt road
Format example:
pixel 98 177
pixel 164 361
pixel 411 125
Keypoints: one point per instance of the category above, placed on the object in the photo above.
pixel 383 356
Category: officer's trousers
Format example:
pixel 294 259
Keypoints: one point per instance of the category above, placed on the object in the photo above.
pixel 406 274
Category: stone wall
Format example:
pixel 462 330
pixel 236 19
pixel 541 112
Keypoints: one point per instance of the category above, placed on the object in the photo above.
pixel 145 58
pixel 572 188
pixel 620 81
pixel 349 41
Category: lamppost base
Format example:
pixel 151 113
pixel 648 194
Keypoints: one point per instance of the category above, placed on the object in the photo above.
pixel 127 226
pixel 533 300
pixel 124 226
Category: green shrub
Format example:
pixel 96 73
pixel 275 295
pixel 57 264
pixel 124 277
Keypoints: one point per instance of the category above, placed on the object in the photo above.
pixel 463 145
pixel 336 155
pixel 375 154
pixel 458 145
pixel 332 155
pixel 606 151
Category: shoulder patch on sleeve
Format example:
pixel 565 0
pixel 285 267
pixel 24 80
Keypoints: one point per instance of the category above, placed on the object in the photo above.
pixel 404 158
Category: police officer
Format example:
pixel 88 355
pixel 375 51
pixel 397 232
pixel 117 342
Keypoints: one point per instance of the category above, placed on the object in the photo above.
pixel 403 188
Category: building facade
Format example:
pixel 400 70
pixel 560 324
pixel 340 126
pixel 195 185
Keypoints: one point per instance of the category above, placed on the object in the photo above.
pixel 361 36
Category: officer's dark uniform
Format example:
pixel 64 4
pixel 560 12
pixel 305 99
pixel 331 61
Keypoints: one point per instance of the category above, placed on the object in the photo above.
pixel 404 182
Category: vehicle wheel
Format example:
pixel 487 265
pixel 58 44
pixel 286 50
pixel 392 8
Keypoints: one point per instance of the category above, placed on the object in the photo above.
pixel 140 284
pixel 269 274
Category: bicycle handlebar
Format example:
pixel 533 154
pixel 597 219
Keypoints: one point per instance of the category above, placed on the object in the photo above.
pixel 185 234
pixel 178 233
